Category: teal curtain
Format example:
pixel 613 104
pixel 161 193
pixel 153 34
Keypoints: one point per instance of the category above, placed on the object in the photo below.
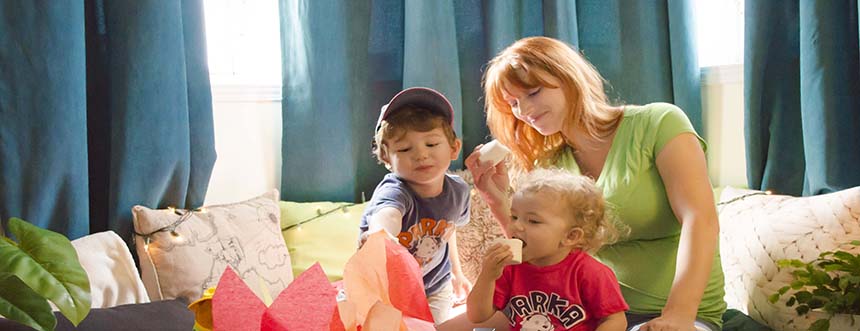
pixel 103 105
pixel 342 60
pixel 802 95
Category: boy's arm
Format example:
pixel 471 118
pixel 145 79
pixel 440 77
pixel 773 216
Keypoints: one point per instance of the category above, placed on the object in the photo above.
pixel 462 286
pixel 614 322
pixel 479 305
pixel 386 218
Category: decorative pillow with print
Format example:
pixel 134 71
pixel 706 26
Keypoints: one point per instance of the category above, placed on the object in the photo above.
pixel 184 252
pixel 474 238
pixel 757 229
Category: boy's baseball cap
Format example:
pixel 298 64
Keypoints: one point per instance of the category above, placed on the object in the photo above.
pixel 421 97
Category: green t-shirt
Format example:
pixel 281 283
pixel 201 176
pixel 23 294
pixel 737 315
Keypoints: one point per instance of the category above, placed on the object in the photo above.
pixel 644 262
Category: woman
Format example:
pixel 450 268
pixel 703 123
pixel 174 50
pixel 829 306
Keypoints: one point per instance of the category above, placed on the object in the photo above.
pixel 547 104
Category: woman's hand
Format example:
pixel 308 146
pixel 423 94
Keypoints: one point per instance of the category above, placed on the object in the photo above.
pixel 491 181
pixel 669 323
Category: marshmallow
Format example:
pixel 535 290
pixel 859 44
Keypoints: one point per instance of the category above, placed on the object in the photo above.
pixel 516 247
pixel 493 151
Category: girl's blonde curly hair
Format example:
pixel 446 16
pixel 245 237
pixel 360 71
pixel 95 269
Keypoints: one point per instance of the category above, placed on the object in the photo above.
pixel 582 199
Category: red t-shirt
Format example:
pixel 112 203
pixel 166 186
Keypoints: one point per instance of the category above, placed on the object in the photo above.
pixel 574 294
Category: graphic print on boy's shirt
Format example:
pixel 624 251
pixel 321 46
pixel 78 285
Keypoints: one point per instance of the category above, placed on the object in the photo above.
pixel 540 311
pixel 425 238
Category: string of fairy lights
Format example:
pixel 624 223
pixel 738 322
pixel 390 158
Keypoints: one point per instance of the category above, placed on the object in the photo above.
pixel 185 214
pixel 320 213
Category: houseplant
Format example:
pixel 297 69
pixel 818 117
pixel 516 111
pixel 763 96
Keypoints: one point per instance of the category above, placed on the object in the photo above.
pixel 42 266
pixel 830 284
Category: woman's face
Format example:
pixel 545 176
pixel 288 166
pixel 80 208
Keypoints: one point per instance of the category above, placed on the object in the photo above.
pixel 542 108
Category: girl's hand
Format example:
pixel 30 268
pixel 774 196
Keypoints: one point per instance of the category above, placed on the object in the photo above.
pixel 496 258
pixel 491 181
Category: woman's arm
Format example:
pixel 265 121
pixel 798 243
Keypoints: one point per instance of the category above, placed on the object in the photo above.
pixel 614 322
pixel 493 183
pixel 683 168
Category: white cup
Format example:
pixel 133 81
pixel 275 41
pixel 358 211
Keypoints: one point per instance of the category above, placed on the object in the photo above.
pixel 493 151
pixel 516 247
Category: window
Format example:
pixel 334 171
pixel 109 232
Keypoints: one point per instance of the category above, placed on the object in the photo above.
pixel 720 30
pixel 244 45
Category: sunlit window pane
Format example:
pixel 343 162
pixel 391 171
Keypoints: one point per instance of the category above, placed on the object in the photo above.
pixel 720 25
pixel 243 38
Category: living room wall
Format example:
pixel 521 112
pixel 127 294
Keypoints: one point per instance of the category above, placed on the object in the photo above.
pixel 248 135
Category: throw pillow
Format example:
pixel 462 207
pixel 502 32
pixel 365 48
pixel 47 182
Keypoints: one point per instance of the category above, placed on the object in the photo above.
pixel 475 237
pixel 184 252
pixel 757 229
pixel 329 234
pixel 113 277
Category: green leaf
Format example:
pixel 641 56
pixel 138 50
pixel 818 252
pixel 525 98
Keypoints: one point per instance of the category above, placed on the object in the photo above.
pixel 817 302
pixel 773 298
pixel 820 277
pixel 820 325
pixel 855 242
pixel 833 267
pixel 803 296
pixel 802 309
pixel 790 301
pixel 845 256
pixel 783 263
pixel 797 263
pixel 47 263
pixel 21 304
pixel 844 282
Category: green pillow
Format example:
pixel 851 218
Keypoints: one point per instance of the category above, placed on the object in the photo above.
pixel 329 234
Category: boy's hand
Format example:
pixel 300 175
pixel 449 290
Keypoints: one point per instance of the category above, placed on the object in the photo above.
pixel 362 238
pixel 497 257
pixel 462 287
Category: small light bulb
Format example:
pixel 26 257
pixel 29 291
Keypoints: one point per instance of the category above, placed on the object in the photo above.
pixel 768 192
pixel 201 210
pixel 299 228
pixel 146 248
pixel 170 209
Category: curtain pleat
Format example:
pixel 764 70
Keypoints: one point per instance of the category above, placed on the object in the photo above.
pixel 643 48
pixel 802 90
pixel 105 105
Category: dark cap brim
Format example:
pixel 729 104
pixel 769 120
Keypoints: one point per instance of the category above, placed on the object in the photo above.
pixel 421 97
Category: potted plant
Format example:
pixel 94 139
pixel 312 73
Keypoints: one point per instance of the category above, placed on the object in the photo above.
pixel 829 284
pixel 41 266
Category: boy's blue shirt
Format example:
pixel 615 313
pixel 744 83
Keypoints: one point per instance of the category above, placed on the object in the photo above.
pixel 427 223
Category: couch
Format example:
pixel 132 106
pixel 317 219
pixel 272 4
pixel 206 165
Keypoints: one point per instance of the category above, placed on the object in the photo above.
pixel 270 241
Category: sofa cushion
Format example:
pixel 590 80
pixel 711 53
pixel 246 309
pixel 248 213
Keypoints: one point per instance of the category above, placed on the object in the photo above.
pixel 757 229
pixel 113 277
pixel 184 262
pixel 475 237
pixel 165 315
pixel 329 234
